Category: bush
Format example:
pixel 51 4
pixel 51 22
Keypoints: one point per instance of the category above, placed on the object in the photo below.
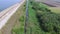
pixel 48 21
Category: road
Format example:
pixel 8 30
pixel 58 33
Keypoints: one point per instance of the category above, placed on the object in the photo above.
pixel 7 13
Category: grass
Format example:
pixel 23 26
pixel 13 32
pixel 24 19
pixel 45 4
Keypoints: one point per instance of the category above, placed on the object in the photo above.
pixel 34 27
pixel 19 25
pixel 33 24
pixel 55 9
pixel 19 29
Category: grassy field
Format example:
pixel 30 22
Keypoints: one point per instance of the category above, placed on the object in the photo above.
pixel 55 9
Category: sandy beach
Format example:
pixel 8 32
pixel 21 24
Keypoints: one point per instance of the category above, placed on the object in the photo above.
pixel 7 13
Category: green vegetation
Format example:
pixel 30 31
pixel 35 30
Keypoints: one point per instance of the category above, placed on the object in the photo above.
pixel 19 26
pixel 33 27
pixel 55 9
pixel 41 20
pixel 19 29
pixel 48 21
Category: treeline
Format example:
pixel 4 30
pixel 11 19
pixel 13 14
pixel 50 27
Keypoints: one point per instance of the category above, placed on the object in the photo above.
pixel 49 22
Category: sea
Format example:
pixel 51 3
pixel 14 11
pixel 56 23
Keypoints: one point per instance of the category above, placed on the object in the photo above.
pixel 7 3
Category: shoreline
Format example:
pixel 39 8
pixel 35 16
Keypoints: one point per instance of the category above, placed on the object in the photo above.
pixel 7 13
pixel 7 9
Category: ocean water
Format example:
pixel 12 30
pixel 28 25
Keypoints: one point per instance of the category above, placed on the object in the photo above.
pixel 7 3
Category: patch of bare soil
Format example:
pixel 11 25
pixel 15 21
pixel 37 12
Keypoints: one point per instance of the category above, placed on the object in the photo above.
pixel 50 3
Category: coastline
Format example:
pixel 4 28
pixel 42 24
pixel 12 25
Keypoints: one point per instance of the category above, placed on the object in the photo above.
pixel 7 13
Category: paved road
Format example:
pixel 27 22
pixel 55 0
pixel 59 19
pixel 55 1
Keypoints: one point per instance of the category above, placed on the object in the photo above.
pixel 6 14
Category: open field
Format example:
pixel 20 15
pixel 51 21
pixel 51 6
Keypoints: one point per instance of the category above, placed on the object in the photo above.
pixel 51 3
pixel 55 9
pixel 54 6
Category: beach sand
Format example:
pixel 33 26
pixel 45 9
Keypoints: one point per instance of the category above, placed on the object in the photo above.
pixel 7 13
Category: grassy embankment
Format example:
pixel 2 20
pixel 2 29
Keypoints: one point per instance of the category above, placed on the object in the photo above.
pixel 19 25
pixel 32 24
pixel 14 21
pixel 41 20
